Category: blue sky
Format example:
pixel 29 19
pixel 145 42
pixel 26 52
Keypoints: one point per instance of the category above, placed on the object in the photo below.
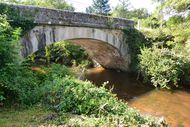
pixel 81 5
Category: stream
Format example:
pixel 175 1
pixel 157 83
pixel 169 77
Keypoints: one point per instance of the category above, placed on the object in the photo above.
pixel 174 105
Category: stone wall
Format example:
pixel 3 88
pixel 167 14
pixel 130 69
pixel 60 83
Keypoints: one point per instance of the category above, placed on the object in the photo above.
pixel 44 16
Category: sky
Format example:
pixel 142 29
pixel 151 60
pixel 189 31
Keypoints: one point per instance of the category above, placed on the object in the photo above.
pixel 81 5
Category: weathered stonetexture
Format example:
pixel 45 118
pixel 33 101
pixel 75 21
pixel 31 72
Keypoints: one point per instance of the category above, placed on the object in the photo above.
pixel 45 16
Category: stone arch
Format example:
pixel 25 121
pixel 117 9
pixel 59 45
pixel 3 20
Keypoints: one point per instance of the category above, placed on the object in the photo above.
pixel 114 49
pixel 103 53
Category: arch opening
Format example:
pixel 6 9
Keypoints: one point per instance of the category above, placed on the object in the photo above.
pixel 101 52
pixel 105 46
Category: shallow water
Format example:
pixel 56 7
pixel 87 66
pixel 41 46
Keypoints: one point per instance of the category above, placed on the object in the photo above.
pixel 174 106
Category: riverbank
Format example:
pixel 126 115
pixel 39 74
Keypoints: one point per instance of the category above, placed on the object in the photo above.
pixel 73 102
pixel 172 105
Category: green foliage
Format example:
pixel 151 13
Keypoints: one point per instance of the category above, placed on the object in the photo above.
pixel 30 84
pixel 26 87
pixel 109 22
pixel 157 66
pixel 17 82
pixel 141 13
pixel 56 70
pixel 57 4
pixel 168 63
pixel 175 20
pixel 180 32
pixel 154 21
pixel 163 67
pixel 62 52
pixel 72 120
pixel 101 7
pixel 135 40
pixel 122 9
pixel 8 42
pixel 176 5
pixel 159 37
pixel 21 87
pixel 55 87
pixel 98 104
pixel 25 22
pixel 9 54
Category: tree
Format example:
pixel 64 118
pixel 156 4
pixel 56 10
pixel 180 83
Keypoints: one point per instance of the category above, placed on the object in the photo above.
pixel 9 43
pixel 177 6
pixel 101 7
pixel 175 20
pixel 57 4
pixel 141 13
pixel 174 5
pixel 90 9
pixel 122 9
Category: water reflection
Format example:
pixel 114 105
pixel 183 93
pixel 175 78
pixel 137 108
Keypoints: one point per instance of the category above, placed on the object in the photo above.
pixel 125 85
pixel 174 106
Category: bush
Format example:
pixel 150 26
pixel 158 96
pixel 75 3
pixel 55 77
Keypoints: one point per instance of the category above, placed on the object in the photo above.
pixel 135 40
pixel 57 70
pixel 9 54
pixel 175 20
pixel 62 52
pixel 17 83
pixel 167 63
pixel 162 67
pixel 26 86
pixel 99 105
pixel 30 84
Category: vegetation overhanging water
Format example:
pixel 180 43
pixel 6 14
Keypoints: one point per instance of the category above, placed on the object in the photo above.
pixel 173 105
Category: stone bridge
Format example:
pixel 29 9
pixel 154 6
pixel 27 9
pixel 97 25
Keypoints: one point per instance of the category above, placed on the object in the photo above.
pixel 102 37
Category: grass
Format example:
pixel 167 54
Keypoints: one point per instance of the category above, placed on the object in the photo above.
pixel 10 117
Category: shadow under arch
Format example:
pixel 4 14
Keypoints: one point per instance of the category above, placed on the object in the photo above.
pixel 103 53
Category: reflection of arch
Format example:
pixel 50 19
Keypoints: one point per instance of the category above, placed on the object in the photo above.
pixel 110 49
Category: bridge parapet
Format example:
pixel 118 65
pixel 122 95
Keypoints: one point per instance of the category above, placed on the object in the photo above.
pixel 46 16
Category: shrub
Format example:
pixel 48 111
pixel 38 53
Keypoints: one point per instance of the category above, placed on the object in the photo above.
pixel 9 54
pixel 62 52
pixel 162 67
pixel 30 84
pixel 17 83
pixel 56 70
pixel 175 20
pixel 21 87
pixel 26 86
pixel 99 105
pixel 167 63
pixel 135 40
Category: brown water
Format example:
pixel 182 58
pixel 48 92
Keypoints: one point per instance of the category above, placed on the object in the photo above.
pixel 174 106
